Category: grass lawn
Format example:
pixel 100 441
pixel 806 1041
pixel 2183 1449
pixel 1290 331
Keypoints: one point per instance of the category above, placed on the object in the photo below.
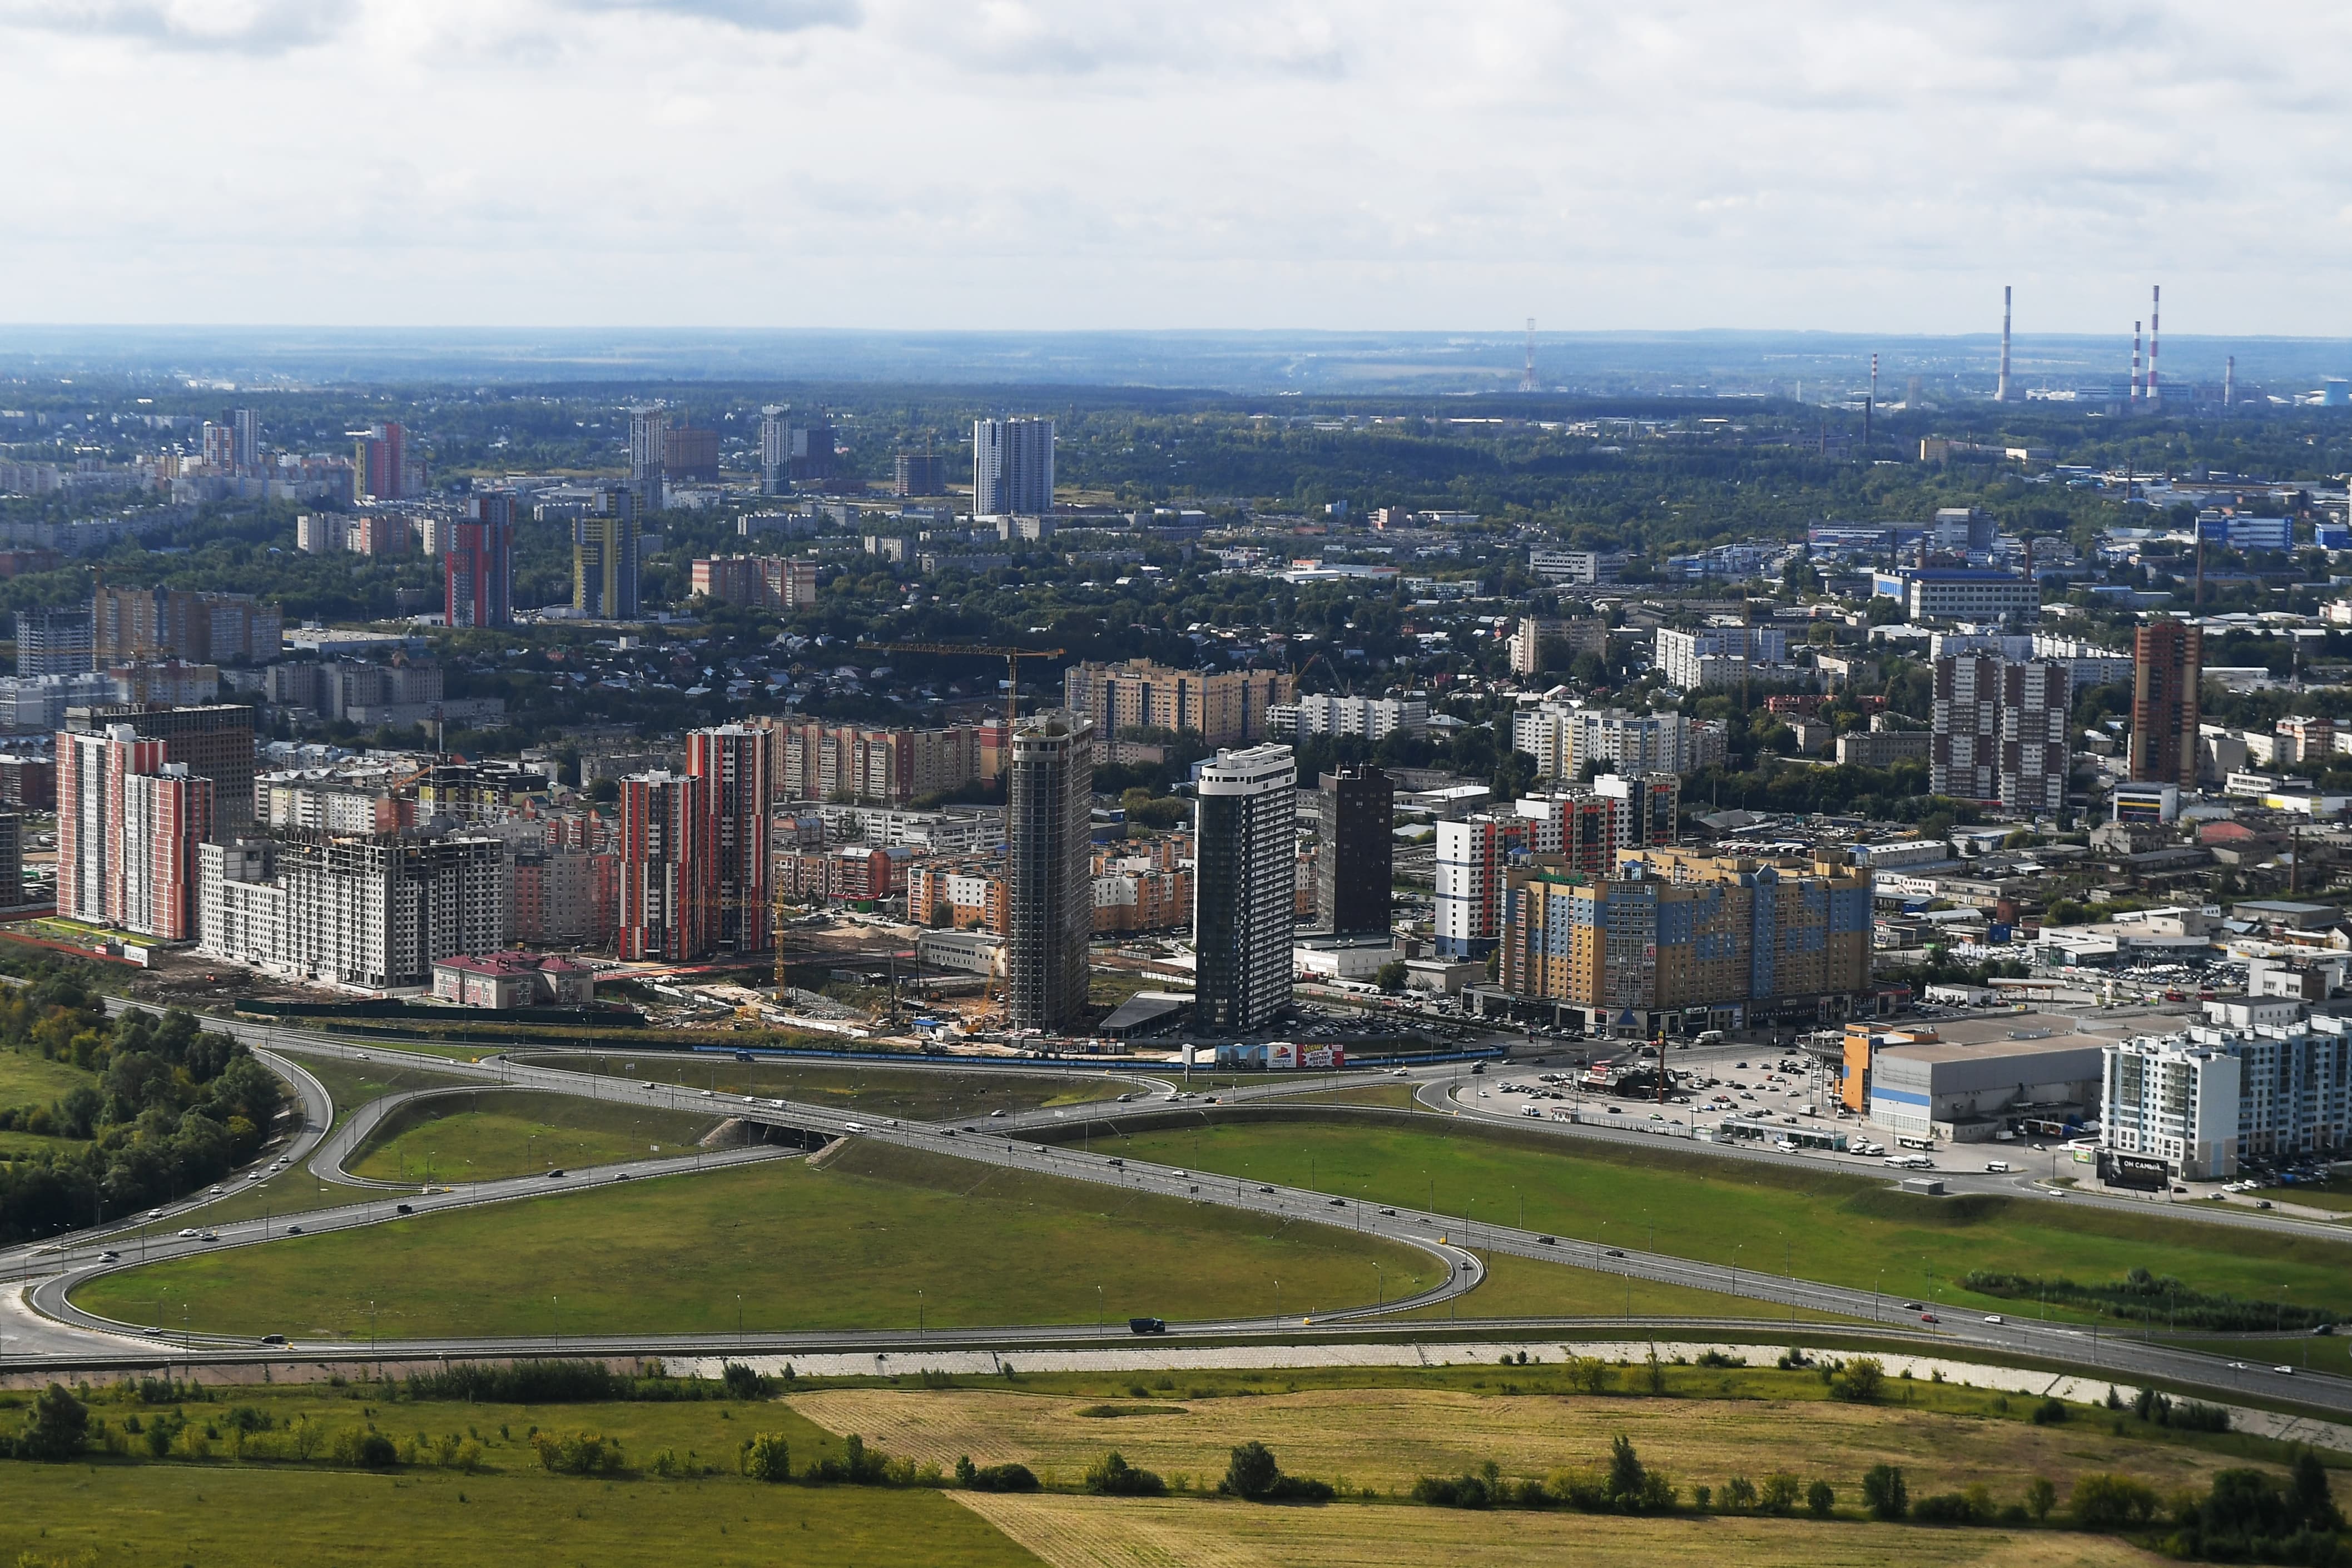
pixel 1394 1096
pixel 1825 1226
pixel 1516 1286
pixel 352 1083
pixel 505 1132
pixel 210 1516
pixel 2335 1194
pixel 1103 1533
pixel 28 1079
pixel 866 1240
pixel 22 1145
pixel 1384 1437
pixel 912 1094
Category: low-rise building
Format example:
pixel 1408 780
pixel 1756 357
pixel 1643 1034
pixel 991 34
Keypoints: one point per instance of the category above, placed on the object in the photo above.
pixel 501 981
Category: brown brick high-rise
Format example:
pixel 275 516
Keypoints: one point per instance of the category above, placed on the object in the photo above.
pixel 2167 660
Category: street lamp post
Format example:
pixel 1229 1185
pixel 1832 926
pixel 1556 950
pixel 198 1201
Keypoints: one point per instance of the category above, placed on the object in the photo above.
pixel 1381 1285
pixel 1278 1303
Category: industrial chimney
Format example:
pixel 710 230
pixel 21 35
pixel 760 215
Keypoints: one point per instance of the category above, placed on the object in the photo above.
pixel 2135 392
pixel 2229 381
pixel 2155 301
pixel 2000 392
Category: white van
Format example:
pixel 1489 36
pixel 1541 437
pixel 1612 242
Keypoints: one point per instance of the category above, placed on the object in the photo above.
pixel 1708 1038
pixel 1997 1167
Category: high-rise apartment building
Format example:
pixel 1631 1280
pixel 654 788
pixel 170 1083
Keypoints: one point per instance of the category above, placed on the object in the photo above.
pixel 478 565
pixel 1049 891
pixel 775 449
pixel 1369 718
pixel 690 453
pixel 380 461
pixel 215 740
pixel 1999 732
pixel 1355 854
pixel 669 884
pixel 1714 656
pixel 128 625
pixel 605 561
pixel 1678 938
pixel 887 767
pixel 2167 660
pixel 1223 707
pixel 920 474
pixel 1570 742
pixel 56 641
pixel 775 582
pixel 1244 883
pixel 1539 644
pixel 2205 1099
pixel 731 761
pixel 129 823
pixel 371 911
pixel 648 432
pixel 245 442
pixel 1470 856
pixel 1012 467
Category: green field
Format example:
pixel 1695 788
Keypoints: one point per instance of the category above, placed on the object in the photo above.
pixel 876 1238
pixel 497 1132
pixel 1825 1225
pixel 913 1094
pixel 28 1079
pixel 1518 1287
pixel 211 1515
pixel 352 1083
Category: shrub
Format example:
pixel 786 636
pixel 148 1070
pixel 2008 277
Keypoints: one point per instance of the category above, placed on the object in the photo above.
pixel 1883 1492
pixel 858 1466
pixel 742 1381
pixel 577 1453
pixel 1461 1492
pixel 2051 1413
pixel 1860 1381
pixel 2102 1501
pixel 1943 1508
pixel 765 1457
pixel 1112 1476
pixel 1819 1497
pixel 1780 1495
pixel 1590 1373
pixel 996 1477
pixel 1738 1495
pixel 1251 1472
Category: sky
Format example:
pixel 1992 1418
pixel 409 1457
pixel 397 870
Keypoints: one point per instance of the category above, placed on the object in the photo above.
pixel 1033 165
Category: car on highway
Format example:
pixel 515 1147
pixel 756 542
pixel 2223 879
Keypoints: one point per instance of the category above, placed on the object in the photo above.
pixel 1996 1317
pixel 621 1175
pixel 293 1230
pixel 109 1257
pixel 1147 1326
pixel 273 1339
pixel 1036 1148
pixel 1929 1317
pixel 1614 1252
pixel 216 1192
pixel 1914 1306
pixel 211 1235
pixel 186 1234
pixel 555 1173
pixel 1546 1241
pixel 2283 1370
pixel 647 1084
pixel 996 1112
pixel 1338 1203
pixel 1266 1189
pixel 1391 1212
pixel 402 1209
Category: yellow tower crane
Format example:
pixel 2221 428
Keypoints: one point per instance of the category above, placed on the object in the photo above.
pixel 1011 656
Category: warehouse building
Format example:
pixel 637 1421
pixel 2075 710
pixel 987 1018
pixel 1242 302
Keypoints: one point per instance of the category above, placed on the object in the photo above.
pixel 1969 1079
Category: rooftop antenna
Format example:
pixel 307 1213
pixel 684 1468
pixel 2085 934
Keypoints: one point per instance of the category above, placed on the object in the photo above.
pixel 2000 392
pixel 2155 303
pixel 1527 376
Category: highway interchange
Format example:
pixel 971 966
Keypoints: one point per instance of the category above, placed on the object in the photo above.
pixel 45 1329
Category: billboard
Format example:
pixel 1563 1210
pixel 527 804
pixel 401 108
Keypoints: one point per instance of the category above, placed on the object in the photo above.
pixel 1280 1055
pixel 1324 1056
pixel 2141 1172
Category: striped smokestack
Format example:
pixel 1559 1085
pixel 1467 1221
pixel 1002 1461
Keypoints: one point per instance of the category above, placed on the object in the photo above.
pixel 2155 301
pixel 2135 392
pixel 2000 392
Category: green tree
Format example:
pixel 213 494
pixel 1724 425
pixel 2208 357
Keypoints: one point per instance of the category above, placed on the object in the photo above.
pixel 2104 1502
pixel 1627 1473
pixel 1252 1471
pixel 1860 1381
pixel 1819 1497
pixel 767 1457
pixel 1112 1476
pixel 2040 1497
pixel 56 1427
pixel 1884 1491
pixel 1392 975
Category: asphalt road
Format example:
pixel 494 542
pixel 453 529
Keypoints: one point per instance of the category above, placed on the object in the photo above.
pixel 1444 1237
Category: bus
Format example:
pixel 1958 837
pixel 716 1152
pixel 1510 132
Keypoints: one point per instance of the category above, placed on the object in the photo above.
pixel 1915 1143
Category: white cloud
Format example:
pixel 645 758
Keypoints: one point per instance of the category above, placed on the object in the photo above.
pixel 1226 163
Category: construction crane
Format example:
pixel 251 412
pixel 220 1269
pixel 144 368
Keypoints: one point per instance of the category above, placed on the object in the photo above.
pixel 1011 656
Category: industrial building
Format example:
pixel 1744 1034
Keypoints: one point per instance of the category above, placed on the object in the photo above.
pixel 1971 594
pixel 1974 1079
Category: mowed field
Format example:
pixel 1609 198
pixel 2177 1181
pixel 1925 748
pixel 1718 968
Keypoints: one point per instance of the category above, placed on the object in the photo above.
pixel 1099 1533
pixel 215 1516
pixel 911 1094
pixel 496 1132
pixel 1518 1287
pixel 27 1078
pixel 877 1237
pixel 1827 1226
pixel 1384 1437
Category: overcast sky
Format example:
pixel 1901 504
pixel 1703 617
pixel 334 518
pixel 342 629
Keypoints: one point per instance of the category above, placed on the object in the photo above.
pixel 1099 163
